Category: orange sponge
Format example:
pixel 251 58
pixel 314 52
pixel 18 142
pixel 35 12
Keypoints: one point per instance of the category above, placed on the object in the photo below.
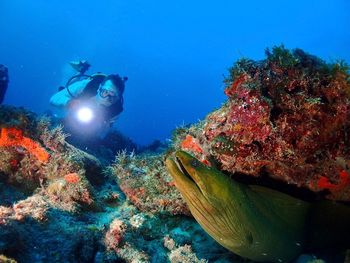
pixel 190 143
pixel 14 137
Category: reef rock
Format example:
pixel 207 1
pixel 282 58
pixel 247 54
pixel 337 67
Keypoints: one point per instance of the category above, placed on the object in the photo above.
pixel 147 184
pixel 287 117
pixel 36 156
pixel 59 204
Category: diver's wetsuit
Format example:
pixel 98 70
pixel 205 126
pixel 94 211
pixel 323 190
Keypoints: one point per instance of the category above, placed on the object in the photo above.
pixel 4 79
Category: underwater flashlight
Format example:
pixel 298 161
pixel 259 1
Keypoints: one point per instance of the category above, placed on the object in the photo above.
pixel 85 114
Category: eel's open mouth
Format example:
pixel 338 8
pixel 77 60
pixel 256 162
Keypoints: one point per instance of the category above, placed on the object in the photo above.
pixel 182 169
pixel 186 172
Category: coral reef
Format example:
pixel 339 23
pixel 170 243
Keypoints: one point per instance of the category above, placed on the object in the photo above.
pixel 104 147
pixel 180 254
pixel 70 208
pixel 33 157
pixel 136 236
pixel 115 234
pixel 4 259
pixel 147 184
pixel 287 117
pixel 34 207
pixel 114 241
pixel 12 137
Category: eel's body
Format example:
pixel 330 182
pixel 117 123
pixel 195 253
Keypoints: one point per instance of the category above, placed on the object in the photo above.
pixel 252 221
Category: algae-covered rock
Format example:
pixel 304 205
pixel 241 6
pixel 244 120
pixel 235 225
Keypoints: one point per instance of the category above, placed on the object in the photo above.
pixel 60 204
pixel 147 184
pixel 35 157
pixel 287 118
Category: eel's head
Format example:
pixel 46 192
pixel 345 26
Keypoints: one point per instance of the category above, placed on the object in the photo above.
pixel 197 181
pixel 253 222
pixel 208 194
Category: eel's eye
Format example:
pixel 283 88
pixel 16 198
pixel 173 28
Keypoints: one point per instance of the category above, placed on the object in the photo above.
pixel 194 163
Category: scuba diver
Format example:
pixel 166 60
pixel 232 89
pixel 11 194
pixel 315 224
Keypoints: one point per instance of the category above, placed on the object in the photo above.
pixel 91 102
pixel 4 80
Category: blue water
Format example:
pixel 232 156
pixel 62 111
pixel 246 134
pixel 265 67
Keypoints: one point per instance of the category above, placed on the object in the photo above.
pixel 174 52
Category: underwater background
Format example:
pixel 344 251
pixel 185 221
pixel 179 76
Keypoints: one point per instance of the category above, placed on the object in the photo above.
pixel 233 145
pixel 174 53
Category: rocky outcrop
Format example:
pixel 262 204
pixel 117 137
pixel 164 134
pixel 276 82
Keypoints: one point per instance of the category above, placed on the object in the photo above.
pixel 287 118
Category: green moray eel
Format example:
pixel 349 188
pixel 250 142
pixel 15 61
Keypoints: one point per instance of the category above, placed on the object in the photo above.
pixel 253 222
